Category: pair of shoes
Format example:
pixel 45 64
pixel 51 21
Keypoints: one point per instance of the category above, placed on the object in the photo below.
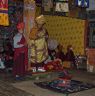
pixel 19 77
pixel 41 69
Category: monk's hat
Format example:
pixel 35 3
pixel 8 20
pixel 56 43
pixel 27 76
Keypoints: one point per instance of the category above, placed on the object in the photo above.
pixel 40 19
pixel 20 25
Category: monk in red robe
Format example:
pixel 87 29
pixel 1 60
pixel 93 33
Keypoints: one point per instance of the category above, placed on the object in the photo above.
pixel 20 53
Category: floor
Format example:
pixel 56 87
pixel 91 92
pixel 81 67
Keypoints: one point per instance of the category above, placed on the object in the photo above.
pixel 28 88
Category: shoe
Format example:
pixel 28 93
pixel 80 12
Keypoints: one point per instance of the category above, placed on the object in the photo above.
pixel 41 69
pixel 18 78
pixel 34 69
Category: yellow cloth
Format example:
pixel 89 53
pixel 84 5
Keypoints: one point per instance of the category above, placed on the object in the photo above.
pixel 4 18
pixel 67 64
pixel 39 50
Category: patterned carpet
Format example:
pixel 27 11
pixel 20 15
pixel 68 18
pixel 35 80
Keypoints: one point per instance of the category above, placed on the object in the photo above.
pixel 65 86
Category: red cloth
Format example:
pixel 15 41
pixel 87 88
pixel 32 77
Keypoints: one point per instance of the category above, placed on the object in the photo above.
pixel 4 4
pixel 22 41
pixel 53 65
pixel 20 59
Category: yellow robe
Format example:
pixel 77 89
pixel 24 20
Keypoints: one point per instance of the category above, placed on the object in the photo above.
pixel 39 51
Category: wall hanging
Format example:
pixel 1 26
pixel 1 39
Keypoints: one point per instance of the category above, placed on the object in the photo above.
pixel 47 6
pixel 82 3
pixel 61 7
pixel 4 20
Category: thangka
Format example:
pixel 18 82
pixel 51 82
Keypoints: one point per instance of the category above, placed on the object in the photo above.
pixel 4 13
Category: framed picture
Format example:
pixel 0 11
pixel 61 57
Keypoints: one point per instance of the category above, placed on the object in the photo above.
pixel 47 6
pixel 61 7
pixel 82 3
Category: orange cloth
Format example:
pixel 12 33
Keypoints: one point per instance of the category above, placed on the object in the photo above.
pixel 33 33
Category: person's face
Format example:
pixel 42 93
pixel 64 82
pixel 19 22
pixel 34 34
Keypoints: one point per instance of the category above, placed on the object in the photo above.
pixel 20 31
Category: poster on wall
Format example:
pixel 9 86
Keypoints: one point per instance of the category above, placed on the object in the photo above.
pixel 61 7
pixel 47 6
pixel 82 3
pixel 4 13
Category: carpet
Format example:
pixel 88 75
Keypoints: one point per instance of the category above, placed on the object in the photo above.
pixel 65 86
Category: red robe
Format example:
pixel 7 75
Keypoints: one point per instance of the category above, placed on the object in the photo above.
pixel 20 59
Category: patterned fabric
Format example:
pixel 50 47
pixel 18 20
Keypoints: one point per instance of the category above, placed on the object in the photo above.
pixel 54 65
pixel 65 86
pixel 4 13
pixel 39 51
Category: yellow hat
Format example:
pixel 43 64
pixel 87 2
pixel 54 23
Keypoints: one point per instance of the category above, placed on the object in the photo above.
pixel 40 19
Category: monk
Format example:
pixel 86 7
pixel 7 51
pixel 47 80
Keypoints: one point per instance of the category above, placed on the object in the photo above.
pixel 20 53
pixel 38 44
